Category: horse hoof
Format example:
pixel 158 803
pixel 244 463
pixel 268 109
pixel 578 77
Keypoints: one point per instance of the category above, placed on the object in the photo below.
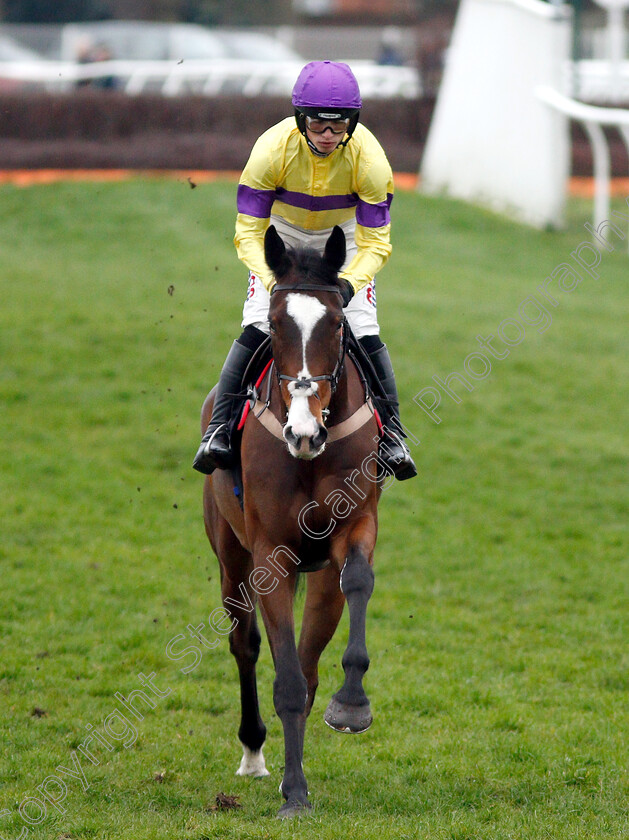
pixel 289 810
pixel 345 718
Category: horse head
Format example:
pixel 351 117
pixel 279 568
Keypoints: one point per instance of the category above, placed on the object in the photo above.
pixel 308 335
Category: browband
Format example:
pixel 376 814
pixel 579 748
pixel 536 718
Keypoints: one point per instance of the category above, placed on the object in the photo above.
pixel 306 287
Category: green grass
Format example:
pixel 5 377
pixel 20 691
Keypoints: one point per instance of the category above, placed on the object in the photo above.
pixel 498 628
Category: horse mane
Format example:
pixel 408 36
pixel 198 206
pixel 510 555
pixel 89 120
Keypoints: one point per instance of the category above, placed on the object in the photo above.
pixel 307 266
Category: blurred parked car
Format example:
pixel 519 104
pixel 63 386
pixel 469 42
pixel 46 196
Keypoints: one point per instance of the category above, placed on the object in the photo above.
pixel 180 58
pixel 144 41
pixel 10 53
pixel 10 50
pixel 255 45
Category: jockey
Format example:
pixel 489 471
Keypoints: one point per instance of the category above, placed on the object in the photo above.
pixel 305 175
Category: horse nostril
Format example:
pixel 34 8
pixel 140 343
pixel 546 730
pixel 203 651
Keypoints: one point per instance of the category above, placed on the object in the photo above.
pixel 291 437
pixel 317 441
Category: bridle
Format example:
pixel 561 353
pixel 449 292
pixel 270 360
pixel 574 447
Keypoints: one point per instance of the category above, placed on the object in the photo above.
pixel 303 382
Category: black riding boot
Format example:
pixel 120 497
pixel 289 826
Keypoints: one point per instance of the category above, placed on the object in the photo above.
pixel 215 450
pixel 393 451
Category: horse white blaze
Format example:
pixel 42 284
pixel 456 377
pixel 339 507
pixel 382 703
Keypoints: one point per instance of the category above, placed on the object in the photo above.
pixel 306 311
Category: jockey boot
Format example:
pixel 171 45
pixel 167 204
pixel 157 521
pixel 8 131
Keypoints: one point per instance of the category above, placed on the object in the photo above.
pixel 393 451
pixel 215 450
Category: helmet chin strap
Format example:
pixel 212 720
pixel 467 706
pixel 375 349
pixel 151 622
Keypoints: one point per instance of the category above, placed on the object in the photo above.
pixel 314 149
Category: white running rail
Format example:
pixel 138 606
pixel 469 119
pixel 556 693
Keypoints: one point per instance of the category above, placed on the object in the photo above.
pixel 225 76
pixel 593 118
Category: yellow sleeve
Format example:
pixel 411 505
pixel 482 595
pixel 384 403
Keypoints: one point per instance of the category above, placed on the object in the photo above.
pixel 249 242
pixel 256 194
pixel 373 221
pixel 374 249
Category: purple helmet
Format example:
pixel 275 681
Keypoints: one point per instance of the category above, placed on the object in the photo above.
pixel 328 85
pixel 328 90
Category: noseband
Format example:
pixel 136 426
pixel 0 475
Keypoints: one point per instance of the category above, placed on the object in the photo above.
pixel 304 382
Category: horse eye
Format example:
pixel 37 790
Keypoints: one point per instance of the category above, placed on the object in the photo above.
pixel 339 326
pixel 272 328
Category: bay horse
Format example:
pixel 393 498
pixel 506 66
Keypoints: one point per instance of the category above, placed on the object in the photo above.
pixel 311 485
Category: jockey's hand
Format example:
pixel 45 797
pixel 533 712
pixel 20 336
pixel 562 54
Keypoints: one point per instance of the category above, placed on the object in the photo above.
pixel 347 292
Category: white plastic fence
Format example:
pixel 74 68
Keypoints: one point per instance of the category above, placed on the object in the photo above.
pixel 249 78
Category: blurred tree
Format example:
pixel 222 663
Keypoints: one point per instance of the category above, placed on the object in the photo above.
pixel 206 12
pixel 209 12
pixel 145 9
pixel 61 11
pixel 246 13
pixel 227 12
pixel 429 7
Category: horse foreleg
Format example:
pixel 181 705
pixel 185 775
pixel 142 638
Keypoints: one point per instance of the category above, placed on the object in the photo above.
pixel 244 643
pixel 244 637
pixel 289 692
pixel 349 710
pixel 322 613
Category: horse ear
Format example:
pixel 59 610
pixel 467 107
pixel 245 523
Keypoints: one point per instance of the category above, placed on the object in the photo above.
pixel 274 249
pixel 335 249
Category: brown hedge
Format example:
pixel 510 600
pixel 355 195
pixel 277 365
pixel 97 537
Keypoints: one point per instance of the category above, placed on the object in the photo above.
pixel 110 129
pixel 93 128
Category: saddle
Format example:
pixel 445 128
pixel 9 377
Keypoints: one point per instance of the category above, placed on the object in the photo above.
pixel 255 392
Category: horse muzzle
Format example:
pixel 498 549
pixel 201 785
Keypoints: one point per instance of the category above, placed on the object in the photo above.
pixel 305 443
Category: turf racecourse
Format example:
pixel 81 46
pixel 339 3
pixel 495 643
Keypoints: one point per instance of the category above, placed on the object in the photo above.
pixel 499 623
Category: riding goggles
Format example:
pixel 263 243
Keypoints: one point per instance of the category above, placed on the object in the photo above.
pixel 319 125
